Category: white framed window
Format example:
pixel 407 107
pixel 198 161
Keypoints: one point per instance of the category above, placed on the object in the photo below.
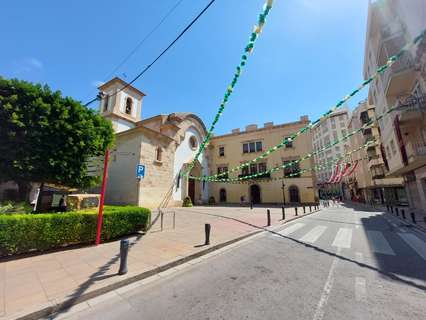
pixel 250 147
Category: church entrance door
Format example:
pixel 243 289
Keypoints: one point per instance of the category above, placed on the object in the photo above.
pixel 191 190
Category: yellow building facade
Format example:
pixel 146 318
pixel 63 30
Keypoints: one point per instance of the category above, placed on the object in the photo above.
pixel 230 150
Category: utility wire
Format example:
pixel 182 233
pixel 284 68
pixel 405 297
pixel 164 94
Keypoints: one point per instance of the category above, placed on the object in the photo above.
pixel 161 54
pixel 140 44
pixel 144 39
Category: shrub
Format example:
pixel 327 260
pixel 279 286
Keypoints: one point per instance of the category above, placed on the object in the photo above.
pixel 187 202
pixel 21 233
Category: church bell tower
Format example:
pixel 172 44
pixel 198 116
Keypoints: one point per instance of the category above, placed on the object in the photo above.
pixel 122 106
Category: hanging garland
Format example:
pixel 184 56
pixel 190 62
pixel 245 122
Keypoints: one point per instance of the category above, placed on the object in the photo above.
pixel 248 50
pixel 278 168
pixel 303 158
pixel 309 155
pixel 326 165
pixel 287 140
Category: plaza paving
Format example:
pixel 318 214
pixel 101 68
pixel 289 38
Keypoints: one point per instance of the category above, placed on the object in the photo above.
pixel 29 284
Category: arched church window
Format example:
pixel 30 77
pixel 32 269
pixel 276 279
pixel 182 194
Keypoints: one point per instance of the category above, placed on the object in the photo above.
pixel 159 154
pixel 129 105
pixel 193 143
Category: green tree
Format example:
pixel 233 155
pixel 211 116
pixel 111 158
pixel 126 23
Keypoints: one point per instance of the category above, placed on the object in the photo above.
pixel 47 138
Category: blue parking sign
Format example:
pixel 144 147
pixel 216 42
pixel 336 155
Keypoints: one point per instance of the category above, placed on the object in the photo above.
pixel 140 171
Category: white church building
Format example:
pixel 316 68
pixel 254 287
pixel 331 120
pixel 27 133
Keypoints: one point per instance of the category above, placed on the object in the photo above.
pixel 164 144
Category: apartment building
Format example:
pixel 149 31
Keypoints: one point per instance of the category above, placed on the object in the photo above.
pixel 369 183
pixel 392 24
pixel 323 133
pixel 230 150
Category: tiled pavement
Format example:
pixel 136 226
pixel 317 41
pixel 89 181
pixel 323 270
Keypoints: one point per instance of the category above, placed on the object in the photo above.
pixel 35 283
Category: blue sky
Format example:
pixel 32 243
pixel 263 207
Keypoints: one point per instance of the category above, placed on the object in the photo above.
pixel 309 55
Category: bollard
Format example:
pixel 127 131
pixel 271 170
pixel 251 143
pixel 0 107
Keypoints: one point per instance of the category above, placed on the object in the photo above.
pixel 403 213
pixel 124 250
pixel 397 211
pixel 310 208
pixel 304 209
pixel 295 210
pixel 391 209
pixel 174 219
pixel 387 207
pixel 268 217
pixel 207 228
pixel 251 205
pixel 162 219
pixel 413 217
pixel 283 211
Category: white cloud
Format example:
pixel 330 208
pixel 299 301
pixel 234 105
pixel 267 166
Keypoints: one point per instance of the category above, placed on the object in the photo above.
pixel 34 63
pixel 97 83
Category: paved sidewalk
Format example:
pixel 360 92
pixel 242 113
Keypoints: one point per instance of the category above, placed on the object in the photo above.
pixel 34 283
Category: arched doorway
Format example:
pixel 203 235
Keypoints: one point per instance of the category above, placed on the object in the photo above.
pixel 255 194
pixel 294 194
pixel 194 186
pixel 222 195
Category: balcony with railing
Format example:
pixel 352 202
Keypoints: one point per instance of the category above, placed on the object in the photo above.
pixel 375 161
pixel 265 175
pixel 416 157
pixel 413 109
pixel 400 76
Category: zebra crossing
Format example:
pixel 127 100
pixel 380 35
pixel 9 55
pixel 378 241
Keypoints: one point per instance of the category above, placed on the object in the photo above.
pixel 343 237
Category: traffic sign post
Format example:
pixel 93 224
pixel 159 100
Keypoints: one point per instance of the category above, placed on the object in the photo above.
pixel 101 204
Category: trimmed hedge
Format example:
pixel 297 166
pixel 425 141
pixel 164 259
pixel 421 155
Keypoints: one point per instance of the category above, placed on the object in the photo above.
pixel 20 233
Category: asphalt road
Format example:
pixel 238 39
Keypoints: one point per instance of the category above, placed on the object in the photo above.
pixel 338 264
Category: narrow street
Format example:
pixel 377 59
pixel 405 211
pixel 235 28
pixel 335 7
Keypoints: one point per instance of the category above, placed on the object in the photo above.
pixel 338 264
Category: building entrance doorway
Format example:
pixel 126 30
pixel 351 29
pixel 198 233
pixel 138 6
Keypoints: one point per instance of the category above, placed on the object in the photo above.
pixel 294 194
pixel 191 190
pixel 255 194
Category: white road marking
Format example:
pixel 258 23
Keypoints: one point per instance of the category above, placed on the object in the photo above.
pixel 378 243
pixel 360 289
pixel 313 235
pixel 359 257
pixel 291 229
pixel 319 312
pixel 343 238
pixel 418 245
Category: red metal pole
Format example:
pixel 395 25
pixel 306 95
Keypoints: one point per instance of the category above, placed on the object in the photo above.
pixel 101 204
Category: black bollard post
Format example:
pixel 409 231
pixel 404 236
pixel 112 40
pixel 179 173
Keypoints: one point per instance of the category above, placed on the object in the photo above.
pixel 387 207
pixel 413 217
pixel 268 217
pixel 251 205
pixel 310 209
pixel 207 228
pixel 295 210
pixel 403 213
pixel 283 210
pixel 304 209
pixel 391 209
pixel 124 250
pixel 397 211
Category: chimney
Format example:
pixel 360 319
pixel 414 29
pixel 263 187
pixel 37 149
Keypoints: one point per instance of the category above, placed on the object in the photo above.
pixel 236 130
pixel 251 127
pixel 268 124
pixel 304 118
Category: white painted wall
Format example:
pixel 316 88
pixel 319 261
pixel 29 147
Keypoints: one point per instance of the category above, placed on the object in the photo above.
pixel 122 125
pixel 185 154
